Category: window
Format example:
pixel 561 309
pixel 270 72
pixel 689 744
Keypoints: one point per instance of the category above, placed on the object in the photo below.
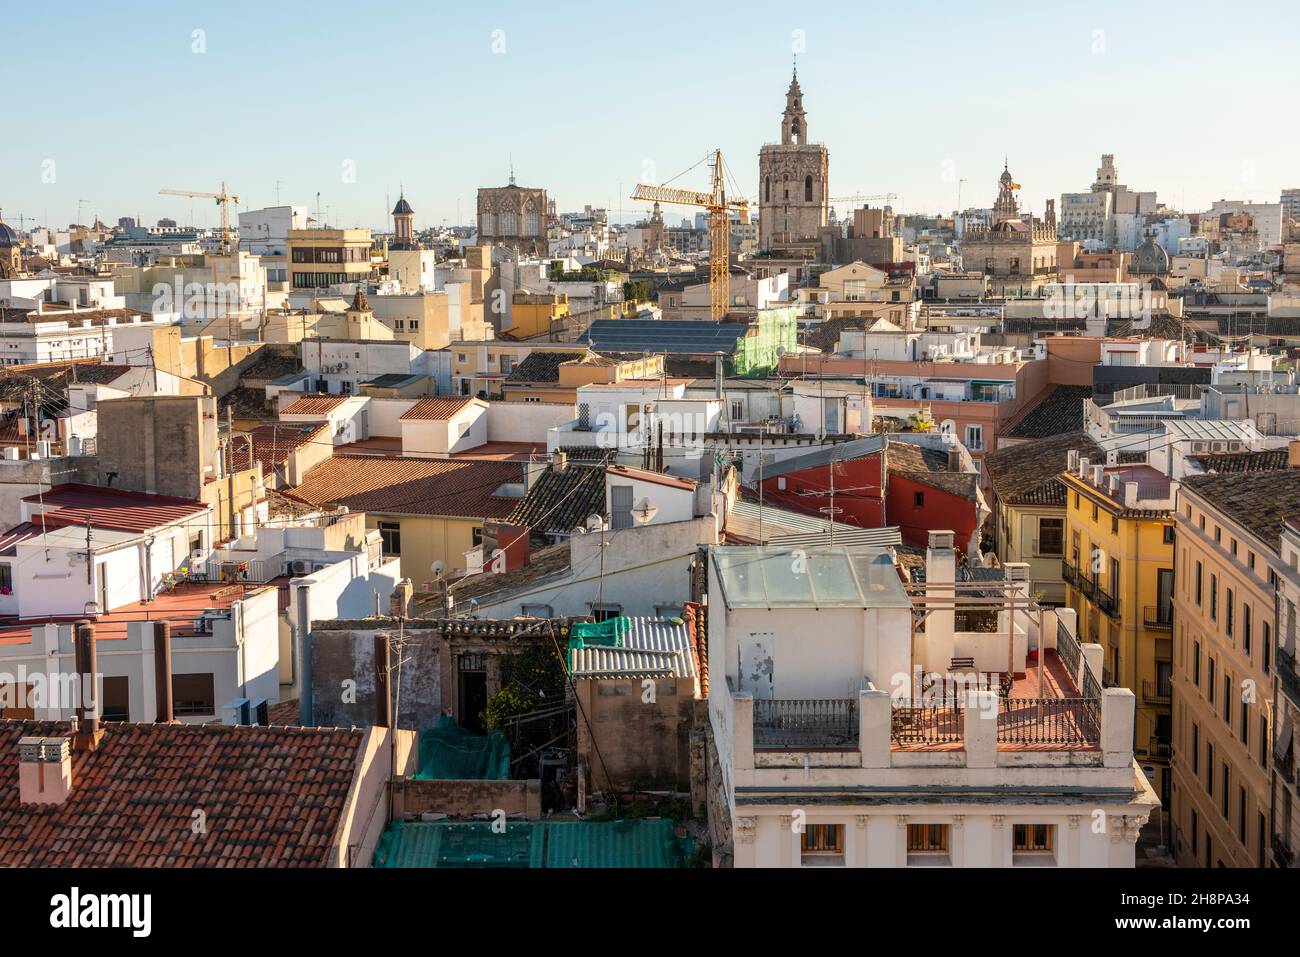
pixel 1196 830
pixel 193 695
pixel 1227 699
pixel 1223 792
pixel 1245 630
pixel 1199 581
pixel 927 845
pixel 390 534
pixel 918 499
pixel 116 705
pixel 737 410
pixel 1196 749
pixel 538 611
pixel 1214 598
pixel 1209 685
pixel 822 845
pixel 1032 839
pixel 975 437
pixel 1228 622
pixel 1169 534
pixel 606 612
pixel 1196 663
pixel 807 189
pixel 1245 723
pixel 6 578
pixel 1209 768
pixel 1051 536
pixel 476 536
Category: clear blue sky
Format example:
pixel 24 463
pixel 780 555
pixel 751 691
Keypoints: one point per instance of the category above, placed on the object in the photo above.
pixel 591 98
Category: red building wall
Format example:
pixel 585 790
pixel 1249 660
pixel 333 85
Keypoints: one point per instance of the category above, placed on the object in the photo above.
pixel 937 511
pixel 858 494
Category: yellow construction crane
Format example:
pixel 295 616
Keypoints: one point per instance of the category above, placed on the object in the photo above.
pixel 719 208
pixel 223 199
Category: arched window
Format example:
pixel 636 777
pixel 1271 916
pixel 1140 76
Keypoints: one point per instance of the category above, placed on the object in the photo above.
pixel 807 189
pixel 530 220
pixel 767 190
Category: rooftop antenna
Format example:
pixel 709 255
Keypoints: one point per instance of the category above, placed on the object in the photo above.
pixel 512 169
pixel 278 184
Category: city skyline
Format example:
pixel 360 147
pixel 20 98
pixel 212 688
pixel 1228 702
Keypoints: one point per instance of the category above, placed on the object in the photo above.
pixel 340 112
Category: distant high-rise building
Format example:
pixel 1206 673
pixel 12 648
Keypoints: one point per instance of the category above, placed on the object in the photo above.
pixel 1291 204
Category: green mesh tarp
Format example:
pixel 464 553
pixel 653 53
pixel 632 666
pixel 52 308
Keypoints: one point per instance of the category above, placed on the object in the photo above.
pixel 605 634
pixel 446 844
pixel 449 752
pixel 564 844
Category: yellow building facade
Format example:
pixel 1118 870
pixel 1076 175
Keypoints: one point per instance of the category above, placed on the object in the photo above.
pixel 1119 575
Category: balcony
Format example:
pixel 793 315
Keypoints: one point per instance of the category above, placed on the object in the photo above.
pixel 1154 693
pixel 1105 601
pixel 1070 574
pixel 1282 853
pixel 1158 619
pixel 814 723
pixel 1287 675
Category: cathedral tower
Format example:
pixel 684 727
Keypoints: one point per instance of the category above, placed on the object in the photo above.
pixel 793 196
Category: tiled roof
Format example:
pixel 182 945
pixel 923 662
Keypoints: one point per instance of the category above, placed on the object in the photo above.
pixel 56 376
pixel 436 408
pixel 271 366
pixel 560 501
pixel 412 486
pixel 314 404
pixel 825 335
pixel 270 797
pixel 542 366
pixel 930 467
pixel 487 588
pixel 1059 411
pixel 117 509
pixel 1026 473
pixel 1261 504
pixel 274 441
pixel 246 403
pixel 1236 462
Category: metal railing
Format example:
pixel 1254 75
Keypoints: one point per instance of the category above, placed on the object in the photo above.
pixel 1070 573
pixel 1091 686
pixel 1153 694
pixel 805 722
pixel 1069 722
pixel 1105 601
pixel 1067 648
pixel 932 722
pixel 1154 620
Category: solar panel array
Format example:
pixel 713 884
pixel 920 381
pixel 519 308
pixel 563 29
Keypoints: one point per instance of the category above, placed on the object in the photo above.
pixel 672 336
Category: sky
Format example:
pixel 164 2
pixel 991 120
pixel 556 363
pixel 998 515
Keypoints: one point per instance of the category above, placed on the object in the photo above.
pixel 356 101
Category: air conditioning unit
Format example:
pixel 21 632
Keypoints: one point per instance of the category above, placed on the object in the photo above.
pixel 299 566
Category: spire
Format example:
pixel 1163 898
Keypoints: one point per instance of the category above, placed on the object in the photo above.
pixel 512 169
pixel 794 123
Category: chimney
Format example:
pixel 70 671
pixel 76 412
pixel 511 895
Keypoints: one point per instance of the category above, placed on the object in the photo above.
pixel 1293 454
pixel 1084 462
pixel 87 661
pixel 1099 475
pixel 560 460
pixel 399 604
pixel 940 586
pixel 383 697
pixel 1071 460
pixel 162 670
pixel 44 770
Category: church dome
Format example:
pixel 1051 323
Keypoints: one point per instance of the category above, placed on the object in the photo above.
pixel 1150 259
pixel 8 238
pixel 403 208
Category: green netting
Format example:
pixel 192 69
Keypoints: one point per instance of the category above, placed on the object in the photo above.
pixel 449 752
pixel 605 634
pixel 563 844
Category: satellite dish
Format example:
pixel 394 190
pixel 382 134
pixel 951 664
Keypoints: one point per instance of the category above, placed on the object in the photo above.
pixel 437 568
pixel 645 512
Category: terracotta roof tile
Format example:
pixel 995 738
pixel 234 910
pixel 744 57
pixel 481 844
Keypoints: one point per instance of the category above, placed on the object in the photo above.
pixel 436 408
pixel 271 797
pixel 314 404
pixel 1026 473
pixel 412 486
pixel 119 509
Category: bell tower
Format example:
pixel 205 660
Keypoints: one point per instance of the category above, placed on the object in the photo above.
pixel 794 121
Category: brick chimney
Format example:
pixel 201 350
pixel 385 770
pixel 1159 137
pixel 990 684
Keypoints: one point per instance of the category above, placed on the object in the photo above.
pixel 44 770
pixel 88 733
pixel 162 664
pixel 1293 454
pixel 399 604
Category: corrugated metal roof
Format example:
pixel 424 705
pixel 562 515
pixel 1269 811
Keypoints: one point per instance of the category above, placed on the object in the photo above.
pixel 1217 430
pixel 783 527
pixel 652 647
